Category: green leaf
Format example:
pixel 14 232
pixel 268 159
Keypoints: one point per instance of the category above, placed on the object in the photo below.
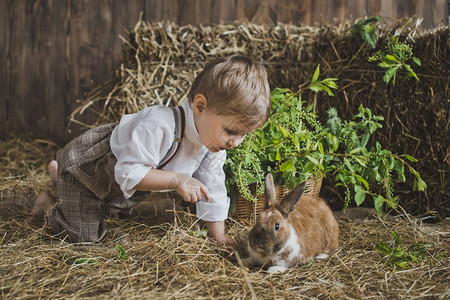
pixel 411 72
pixel 390 74
pixel 400 169
pixel 303 137
pixel 316 74
pixel 330 82
pixel 398 252
pixel 362 163
pixel 278 156
pixel 417 61
pixel 356 150
pixel 278 93
pixel 294 139
pixel 360 195
pixel 371 39
pixel 365 30
pixel 316 87
pixel 284 131
pixel 378 203
pixel 319 144
pixel 327 89
pixel 309 167
pixel 386 65
pixel 349 165
pixel 419 184
pixel 410 158
pixel 382 247
pixel 391 58
pixel 313 159
pixel 396 238
pixel 122 253
pixel 363 181
pixel 402 264
pixel 287 165
pixel 334 141
pixel 392 202
pixel 372 19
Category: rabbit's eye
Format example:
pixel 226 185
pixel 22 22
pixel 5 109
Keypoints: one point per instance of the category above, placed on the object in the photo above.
pixel 277 227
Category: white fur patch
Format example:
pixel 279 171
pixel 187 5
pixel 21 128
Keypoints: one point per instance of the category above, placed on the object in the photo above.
pixel 321 256
pixel 293 246
pixel 275 269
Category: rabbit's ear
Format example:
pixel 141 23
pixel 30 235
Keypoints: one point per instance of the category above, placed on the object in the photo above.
pixel 269 192
pixel 289 201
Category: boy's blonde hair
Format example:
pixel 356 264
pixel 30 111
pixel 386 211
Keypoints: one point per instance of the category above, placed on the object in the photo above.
pixel 235 85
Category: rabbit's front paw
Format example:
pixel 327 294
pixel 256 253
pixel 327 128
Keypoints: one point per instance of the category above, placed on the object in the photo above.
pixel 249 261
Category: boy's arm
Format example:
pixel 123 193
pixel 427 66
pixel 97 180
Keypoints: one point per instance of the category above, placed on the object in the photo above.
pixel 216 231
pixel 215 212
pixel 191 189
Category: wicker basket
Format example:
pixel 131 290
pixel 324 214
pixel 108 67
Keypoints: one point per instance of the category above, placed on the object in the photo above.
pixel 246 210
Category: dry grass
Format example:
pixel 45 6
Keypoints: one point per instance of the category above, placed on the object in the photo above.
pixel 166 262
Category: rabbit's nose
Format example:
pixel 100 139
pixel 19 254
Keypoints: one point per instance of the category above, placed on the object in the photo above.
pixel 260 242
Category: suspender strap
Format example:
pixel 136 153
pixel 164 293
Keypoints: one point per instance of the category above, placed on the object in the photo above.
pixel 180 124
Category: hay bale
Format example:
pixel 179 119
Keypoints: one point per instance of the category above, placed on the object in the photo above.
pixel 161 60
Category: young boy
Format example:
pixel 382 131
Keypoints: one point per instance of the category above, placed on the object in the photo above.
pixel 114 167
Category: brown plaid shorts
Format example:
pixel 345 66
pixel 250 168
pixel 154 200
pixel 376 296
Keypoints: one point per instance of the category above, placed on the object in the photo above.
pixel 86 188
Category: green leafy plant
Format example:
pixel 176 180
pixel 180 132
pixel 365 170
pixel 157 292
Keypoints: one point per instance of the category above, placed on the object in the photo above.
pixel 292 129
pixel 354 164
pixel 294 145
pixel 365 30
pixel 396 58
pixel 400 255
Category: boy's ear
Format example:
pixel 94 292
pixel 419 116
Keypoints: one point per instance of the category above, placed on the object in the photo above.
pixel 199 103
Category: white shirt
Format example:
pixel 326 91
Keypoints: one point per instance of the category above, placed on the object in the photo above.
pixel 141 140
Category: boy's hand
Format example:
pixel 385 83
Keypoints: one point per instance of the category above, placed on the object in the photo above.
pixel 191 189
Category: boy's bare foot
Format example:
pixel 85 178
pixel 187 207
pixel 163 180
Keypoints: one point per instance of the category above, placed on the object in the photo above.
pixel 53 172
pixel 43 206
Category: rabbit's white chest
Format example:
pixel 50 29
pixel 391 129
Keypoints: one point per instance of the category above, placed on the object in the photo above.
pixel 290 252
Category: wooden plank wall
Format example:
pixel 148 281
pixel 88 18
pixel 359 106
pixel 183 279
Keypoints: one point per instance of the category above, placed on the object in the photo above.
pixel 53 52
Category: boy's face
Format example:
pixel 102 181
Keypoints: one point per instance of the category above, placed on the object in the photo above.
pixel 217 132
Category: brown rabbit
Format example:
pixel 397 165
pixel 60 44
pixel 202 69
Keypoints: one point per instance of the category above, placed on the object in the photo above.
pixel 291 232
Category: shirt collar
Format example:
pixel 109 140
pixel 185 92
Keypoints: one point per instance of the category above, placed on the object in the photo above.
pixel 190 130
